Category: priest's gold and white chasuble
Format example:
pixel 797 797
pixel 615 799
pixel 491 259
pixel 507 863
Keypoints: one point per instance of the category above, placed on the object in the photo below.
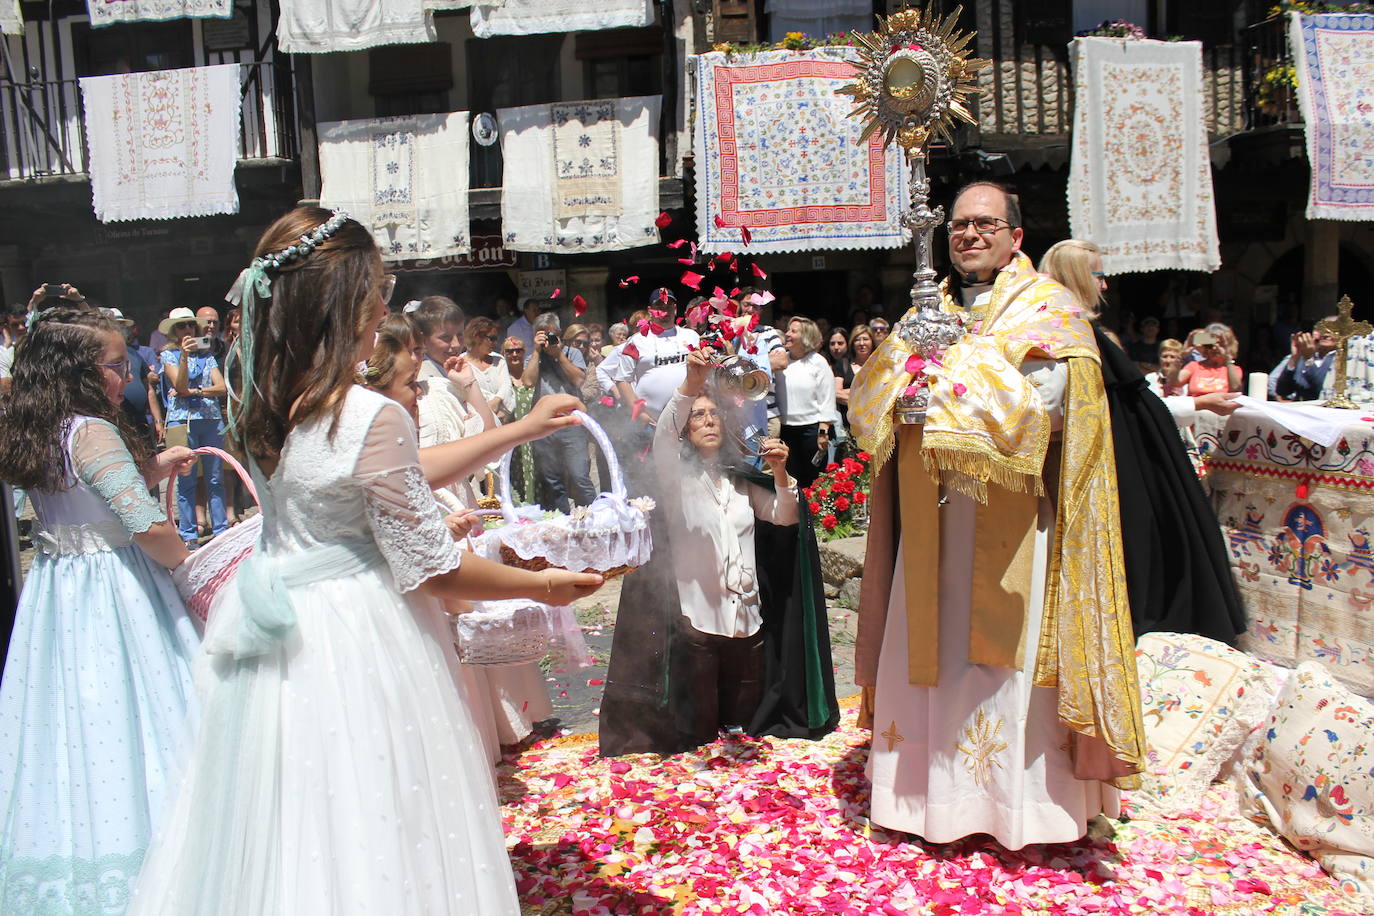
pixel 995 626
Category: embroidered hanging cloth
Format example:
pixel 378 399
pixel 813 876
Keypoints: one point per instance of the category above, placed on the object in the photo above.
pixel 777 154
pixel 11 19
pixel 529 17
pixel 163 144
pixel 320 26
pixel 1334 58
pixel 1140 176
pixel 405 178
pixel 105 12
pixel 588 175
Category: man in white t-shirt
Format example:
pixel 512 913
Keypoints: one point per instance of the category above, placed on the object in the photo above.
pixel 651 366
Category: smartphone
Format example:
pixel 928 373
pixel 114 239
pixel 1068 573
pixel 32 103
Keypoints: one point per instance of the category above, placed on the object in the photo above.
pixel 54 290
pixel 201 343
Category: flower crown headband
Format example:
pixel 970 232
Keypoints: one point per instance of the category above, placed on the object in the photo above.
pixel 254 284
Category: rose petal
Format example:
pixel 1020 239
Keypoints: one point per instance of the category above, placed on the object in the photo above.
pixel 663 221
pixel 691 279
pixel 579 305
pixel 720 223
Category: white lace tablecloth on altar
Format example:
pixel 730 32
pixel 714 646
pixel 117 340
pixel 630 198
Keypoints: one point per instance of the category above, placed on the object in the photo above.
pixel 1297 516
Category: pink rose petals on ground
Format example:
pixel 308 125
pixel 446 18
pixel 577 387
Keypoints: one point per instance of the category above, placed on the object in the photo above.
pixel 770 826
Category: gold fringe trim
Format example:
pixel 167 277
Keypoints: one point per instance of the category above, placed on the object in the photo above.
pixel 970 473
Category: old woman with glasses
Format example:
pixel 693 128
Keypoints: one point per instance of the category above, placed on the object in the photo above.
pixel 493 375
pixel 724 632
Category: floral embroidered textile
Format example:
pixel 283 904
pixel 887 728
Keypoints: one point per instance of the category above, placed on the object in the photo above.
pixel 1140 176
pixel 778 155
pixel 105 12
pixel 1298 525
pixel 163 144
pixel 589 175
pixel 1334 58
pixel 1309 777
pixel 1201 699
pixel 404 178
pixel 529 17
pixel 319 26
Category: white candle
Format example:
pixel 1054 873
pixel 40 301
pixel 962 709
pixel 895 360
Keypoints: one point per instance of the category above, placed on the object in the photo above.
pixel 1259 386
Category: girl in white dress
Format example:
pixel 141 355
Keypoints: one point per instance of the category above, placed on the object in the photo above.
pixel 97 692
pixel 337 770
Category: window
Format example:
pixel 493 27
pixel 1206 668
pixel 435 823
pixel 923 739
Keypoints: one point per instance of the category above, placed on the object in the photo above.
pixel 410 79
pixel 126 49
pixel 1088 14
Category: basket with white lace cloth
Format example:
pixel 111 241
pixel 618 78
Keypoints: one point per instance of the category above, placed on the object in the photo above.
pixel 610 536
pixel 517 630
pixel 201 575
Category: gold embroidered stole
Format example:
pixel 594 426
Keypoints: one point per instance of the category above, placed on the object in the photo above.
pixel 985 424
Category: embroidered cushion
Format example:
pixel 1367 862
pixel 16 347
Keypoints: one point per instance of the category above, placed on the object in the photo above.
pixel 1312 776
pixel 1200 699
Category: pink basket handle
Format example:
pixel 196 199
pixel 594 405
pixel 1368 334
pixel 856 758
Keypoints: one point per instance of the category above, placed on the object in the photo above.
pixel 227 459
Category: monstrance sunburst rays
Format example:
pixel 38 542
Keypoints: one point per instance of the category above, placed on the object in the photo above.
pixel 914 77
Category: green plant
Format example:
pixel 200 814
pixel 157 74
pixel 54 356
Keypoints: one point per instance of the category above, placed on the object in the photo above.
pixel 1276 84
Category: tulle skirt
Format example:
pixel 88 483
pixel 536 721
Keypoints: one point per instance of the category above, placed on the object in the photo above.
pixel 338 774
pixel 96 703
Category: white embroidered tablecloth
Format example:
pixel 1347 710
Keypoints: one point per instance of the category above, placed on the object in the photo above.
pixel 777 153
pixel 1298 517
pixel 1140 176
pixel 320 26
pixel 580 176
pixel 163 144
pixel 11 19
pixel 405 178
pixel 1334 58
pixel 106 12
pixel 529 17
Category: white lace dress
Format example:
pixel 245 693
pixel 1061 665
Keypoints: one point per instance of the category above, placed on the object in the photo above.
pixel 337 769
pixel 506 699
pixel 97 697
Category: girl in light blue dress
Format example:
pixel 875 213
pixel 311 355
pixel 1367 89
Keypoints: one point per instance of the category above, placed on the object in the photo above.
pixel 97 694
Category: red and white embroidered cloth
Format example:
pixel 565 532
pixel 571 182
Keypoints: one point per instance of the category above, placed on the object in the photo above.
pixel 163 144
pixel 778 154
pixel 1140 177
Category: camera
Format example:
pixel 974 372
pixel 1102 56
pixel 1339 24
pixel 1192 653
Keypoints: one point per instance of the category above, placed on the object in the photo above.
pixel 551 337
pixel 54 290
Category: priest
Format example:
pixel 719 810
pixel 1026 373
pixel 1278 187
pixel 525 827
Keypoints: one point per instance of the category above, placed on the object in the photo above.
pixel 994 627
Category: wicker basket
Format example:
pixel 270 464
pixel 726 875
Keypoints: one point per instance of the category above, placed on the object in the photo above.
pixel 201 575
pixel 502 633
pixel 610 537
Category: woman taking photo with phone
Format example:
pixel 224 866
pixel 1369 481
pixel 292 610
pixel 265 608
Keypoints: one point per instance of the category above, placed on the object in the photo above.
pixel 191 387
pixel 337 769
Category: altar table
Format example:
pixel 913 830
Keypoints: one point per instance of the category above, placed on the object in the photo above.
pixel 1297 517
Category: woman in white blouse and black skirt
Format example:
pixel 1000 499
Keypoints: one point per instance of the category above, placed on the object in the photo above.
pixel 806 401
pixel 701 663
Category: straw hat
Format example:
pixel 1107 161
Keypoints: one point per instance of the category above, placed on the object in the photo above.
pixel 176 317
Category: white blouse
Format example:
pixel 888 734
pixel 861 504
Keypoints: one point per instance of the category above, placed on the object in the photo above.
pixel 806 392
pixel 493 377
pixel 710 519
